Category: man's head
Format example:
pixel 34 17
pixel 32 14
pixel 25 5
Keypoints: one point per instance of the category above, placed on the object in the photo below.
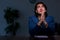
pixel 40 8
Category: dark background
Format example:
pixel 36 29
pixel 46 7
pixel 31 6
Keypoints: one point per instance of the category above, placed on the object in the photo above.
pixel 26 8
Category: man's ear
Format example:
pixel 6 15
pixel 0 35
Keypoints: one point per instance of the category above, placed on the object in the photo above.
pixel 36 11
pixel 45 10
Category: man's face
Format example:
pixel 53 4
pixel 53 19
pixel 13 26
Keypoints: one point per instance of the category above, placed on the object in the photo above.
pixel 40 9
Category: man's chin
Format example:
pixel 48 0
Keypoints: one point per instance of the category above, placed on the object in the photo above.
pixel 39 14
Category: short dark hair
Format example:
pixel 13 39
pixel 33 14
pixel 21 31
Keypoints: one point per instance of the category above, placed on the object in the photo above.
pixel 36 8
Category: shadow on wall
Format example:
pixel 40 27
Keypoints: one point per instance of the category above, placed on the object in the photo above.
pixel 57 28
pixel 11 16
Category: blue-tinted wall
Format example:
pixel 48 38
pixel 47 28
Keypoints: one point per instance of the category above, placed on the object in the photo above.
pixel 26 9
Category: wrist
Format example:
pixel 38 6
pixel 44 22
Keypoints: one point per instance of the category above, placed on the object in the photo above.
pixel 46 24
pixel 39 23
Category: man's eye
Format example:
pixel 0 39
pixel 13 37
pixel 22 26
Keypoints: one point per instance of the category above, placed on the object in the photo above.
pixel 38 6
pixel 42 6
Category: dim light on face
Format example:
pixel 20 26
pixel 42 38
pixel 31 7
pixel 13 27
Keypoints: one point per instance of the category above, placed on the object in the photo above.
pixel 40 9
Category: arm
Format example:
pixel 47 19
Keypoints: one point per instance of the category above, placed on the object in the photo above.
pixel 51 24
pixel 32 26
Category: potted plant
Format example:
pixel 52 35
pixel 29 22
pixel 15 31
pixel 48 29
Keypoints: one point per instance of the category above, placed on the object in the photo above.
pixel 11 16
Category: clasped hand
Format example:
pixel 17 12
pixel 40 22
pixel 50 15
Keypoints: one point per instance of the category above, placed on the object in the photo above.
pixel 42 20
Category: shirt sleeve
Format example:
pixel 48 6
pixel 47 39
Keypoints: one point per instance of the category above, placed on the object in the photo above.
pixel 33 27
pixel 31 24
pixel 51 24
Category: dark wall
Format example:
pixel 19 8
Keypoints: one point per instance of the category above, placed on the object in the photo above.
pixel 26 9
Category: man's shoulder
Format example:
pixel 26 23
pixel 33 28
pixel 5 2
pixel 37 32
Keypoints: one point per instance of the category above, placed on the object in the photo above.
pixel 50 17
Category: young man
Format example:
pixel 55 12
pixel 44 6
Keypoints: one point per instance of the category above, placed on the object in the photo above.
pixel 41 23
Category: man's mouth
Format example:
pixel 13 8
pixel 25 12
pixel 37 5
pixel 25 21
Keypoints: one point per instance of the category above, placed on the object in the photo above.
pixel 41 10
